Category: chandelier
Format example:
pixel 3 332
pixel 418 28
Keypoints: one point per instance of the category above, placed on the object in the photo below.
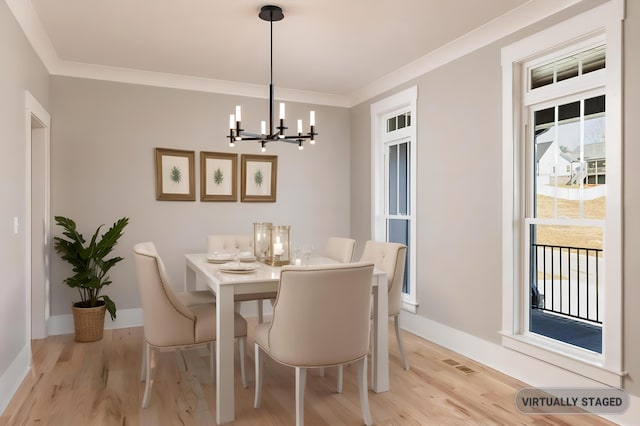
pixel 237 133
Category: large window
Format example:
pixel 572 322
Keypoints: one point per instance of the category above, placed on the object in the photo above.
pixel 394 189
pixel 565 216
pixel 562 195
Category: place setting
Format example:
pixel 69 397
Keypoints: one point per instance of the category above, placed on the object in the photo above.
pixel 238 267
pixel 234 263
pixel 221 258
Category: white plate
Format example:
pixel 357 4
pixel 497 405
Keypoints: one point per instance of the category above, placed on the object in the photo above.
pixel 238 267
pixel 227 257
pixel 237 271
pixel 220 257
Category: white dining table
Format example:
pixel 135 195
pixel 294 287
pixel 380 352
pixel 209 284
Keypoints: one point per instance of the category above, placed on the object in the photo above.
pixel 265 279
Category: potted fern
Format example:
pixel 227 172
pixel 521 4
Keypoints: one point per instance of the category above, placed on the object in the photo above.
pixel 90 267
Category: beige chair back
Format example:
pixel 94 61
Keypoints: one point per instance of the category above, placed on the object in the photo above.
pixel 321 315
pixel 166 320
pixel 391 258
pixel 230 243
pixel 340 249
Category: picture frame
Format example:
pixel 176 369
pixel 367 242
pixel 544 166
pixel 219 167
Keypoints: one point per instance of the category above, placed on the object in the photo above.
pixel 218 176
pixel 259 178
pixel 175 175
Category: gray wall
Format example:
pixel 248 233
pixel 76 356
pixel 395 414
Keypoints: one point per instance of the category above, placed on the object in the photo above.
pixel 459 142
pixel 103 168
pixel 20 70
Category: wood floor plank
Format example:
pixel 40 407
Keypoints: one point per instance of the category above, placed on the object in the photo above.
pixel 98 384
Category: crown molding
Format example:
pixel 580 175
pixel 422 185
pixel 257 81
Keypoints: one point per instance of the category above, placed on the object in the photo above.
pixel 512 21
pixel 516 19
pixel 33 29
pixel 199 84
pixel 28 20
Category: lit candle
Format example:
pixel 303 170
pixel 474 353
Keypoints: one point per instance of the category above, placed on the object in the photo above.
pixel 282 110
pixel 263 127
pixel 312 118
pixel 299 126
pixel 277 247
pixel 238 113
pixel 232 121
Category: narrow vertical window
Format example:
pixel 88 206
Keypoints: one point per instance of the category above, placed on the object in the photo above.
pixel 394 180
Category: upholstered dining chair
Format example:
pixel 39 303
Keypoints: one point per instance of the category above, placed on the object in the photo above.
pixel 391 258
pixel 321 318
pixel 340 249
pixel 175 320
pixel 238 244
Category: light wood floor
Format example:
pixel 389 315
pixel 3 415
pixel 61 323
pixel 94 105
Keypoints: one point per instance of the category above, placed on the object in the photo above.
pixel 98 384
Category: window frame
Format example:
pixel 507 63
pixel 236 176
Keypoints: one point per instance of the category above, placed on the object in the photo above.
pixel 401 102
pixel 601 23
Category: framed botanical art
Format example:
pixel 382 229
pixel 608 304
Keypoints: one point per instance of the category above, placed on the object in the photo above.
pixel 175 175
pixel 218 176
pixel 259 177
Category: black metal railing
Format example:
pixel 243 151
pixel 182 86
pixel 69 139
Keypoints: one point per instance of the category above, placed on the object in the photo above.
pixel 566 280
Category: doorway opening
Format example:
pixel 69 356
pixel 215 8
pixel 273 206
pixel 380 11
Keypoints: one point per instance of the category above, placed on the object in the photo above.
pixel 37 224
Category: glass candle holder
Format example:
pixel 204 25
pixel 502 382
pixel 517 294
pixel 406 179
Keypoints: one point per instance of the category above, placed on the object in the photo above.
pixel 262 240
pixel 280 246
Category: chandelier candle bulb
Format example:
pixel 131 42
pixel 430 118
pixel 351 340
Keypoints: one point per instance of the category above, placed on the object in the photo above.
pixel 232 121
pixel 281 110
pixel 238 115
pixel 300 126
pixel 312 118
pixel 263 127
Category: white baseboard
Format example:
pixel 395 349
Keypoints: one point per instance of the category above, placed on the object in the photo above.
pixel 13 377
pixel 63 324
pixel 515 364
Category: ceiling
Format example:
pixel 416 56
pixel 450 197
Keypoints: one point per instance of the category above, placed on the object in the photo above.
pixel 333 47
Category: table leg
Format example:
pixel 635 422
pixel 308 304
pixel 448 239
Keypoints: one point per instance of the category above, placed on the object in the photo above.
pixel 380 364
pixel 225 389
pixel 189 279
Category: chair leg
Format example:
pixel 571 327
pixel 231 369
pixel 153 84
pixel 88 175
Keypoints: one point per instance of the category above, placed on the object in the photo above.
pixel 260 312
pixel 212 361
pixel 364 391
pixel 143 364
pixel 340 373
pixel 301 381
pixel 242 346
pixel 258 378
pixel 147 386
pixel 396 324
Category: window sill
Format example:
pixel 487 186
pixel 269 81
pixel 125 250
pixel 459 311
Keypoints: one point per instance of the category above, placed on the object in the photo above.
pixel 576 360
pixel 409 306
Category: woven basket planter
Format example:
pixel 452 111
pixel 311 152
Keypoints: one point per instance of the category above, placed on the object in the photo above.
pixel 88 323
